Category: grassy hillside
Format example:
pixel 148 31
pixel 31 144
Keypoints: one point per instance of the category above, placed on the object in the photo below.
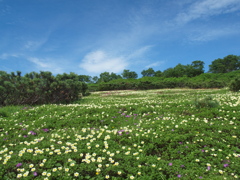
pixel 152 134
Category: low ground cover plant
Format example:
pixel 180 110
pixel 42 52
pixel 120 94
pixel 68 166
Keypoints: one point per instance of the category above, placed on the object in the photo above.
pixel 152 134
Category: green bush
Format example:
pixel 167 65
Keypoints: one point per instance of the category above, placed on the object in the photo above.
pixel 205 80
pixel 40 88
pixel 235 84
pixel 207 102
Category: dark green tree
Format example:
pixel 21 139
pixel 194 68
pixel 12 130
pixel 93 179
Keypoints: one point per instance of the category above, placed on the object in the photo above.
pixel 127 74
pixel 180 70
pixel 149 72
pixel 168 73
pixel 225 65
pixel 95 79
pixel 158 73
pixel 195 69
pixel 198 68
pixel 84 78
pixel 106 77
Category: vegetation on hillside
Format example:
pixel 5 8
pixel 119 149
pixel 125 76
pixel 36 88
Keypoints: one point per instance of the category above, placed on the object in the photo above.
pixel 44 88
pixel 162 134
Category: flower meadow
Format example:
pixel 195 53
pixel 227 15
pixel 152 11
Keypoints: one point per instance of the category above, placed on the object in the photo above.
pixel 151 134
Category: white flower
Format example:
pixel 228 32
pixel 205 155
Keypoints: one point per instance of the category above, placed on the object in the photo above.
pixel 107 176
pixel 76 174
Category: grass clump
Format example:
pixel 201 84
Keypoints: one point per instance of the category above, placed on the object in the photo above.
pixel 206 102
pixel 3 113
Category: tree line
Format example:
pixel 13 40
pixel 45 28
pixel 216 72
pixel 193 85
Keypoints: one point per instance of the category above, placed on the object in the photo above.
pixel 44 87
pixel 221 65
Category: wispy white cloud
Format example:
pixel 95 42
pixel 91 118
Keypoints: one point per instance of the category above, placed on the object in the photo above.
pixel 155 64
pixel 39 63
pixel 139 52
pixel 45 65
pixel 6 56
pixel 206 8
pixel 34 45
pixel 99 61
pixel 209 34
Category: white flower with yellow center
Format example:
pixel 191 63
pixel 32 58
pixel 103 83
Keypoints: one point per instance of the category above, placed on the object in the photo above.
pixel 76 174
pixel 107 176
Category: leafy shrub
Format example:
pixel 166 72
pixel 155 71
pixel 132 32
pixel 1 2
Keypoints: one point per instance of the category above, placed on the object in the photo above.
pixel 205 80
pixel 40 88
pixel 235 84
pixel 3 113
pixel 207 102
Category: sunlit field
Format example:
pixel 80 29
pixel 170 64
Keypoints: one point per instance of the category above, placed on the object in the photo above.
pixel 146 135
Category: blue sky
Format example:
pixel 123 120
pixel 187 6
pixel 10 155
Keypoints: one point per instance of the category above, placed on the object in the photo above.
pixel 89 37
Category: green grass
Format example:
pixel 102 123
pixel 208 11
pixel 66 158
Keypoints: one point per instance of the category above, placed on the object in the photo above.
pixel 153 134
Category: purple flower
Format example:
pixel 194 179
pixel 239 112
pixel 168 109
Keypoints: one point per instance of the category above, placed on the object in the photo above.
pixel 209 167
pixel 180 142
pixel 200 177
pixel 35 173
pixel 33 133
pixel 19 164
pixel 225 165
pixel 179 175
pixel 170 164
pixel 203 150
pixel 172 129
pixel 25 136
pixel 182 166
pixel 120 132
pixel 128 116
pixel 45 130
